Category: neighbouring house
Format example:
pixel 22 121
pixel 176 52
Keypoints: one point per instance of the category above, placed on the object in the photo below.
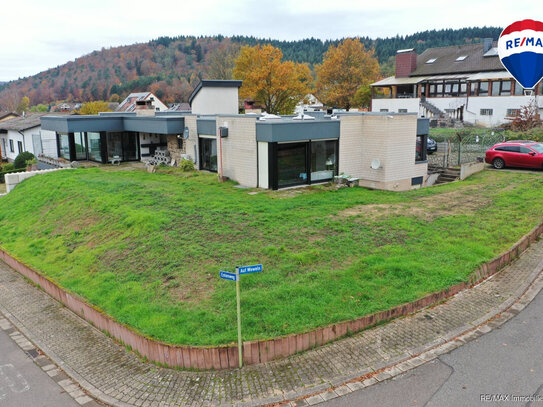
pixel 180 107
pixel 65 107
pixel 308 104
pixel 25 134
pixel 8 115
pixel 385 151
pixel 466 83
pixel 141 98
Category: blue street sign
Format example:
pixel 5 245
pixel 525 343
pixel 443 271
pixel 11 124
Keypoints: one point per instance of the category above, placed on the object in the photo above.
pixel 250 269
pixel 228 276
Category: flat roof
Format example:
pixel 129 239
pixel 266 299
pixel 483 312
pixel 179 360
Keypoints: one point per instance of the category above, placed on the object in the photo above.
pixel 163 124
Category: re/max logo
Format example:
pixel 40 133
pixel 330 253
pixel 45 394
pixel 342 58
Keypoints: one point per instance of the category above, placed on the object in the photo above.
pixel 519 42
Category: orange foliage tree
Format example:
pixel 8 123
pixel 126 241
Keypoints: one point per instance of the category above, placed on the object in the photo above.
pixel 345 74
pixel 276 86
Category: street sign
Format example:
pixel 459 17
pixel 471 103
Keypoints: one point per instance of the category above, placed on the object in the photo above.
pixel 250 269
pixel 228 276
pixel 236 277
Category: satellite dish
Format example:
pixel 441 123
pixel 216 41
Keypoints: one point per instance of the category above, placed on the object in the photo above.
pixel 375 164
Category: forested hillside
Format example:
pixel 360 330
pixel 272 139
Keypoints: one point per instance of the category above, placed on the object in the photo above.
pixel 171 67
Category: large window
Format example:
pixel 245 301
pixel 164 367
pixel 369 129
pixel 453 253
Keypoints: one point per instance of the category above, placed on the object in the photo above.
pixel 208 154
pixel 299 163
pixel 323 160
pixel 483 89
pixel 501 88
pixel 64 146
pixel 292 164
pixel 95 146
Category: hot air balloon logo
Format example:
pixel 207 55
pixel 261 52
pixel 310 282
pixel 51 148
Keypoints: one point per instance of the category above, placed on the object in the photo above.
pixel 520 48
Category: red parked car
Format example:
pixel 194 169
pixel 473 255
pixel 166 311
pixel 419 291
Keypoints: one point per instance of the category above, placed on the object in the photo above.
pixel 515 154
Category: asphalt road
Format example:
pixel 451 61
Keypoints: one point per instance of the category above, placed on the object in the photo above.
pixel 23 384
pixel 489 371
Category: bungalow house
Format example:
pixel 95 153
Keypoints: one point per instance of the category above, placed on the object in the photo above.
pixel 466 83
pixel 385 151
pixel 25 134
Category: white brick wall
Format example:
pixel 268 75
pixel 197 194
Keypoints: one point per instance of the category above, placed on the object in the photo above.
pixel 391 139
pixel 239 149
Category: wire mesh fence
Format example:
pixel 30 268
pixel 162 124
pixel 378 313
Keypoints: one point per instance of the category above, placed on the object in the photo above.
pixel 464 147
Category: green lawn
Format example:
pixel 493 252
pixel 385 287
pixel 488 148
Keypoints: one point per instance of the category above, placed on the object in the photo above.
pixel 147 248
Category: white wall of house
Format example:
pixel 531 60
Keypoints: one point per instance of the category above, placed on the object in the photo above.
pixel 389 138
pixel 34 140
pixel 216 100
pixel 472 106
pixel 395 105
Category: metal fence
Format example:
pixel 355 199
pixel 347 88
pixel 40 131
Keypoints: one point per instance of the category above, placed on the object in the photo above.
pixel 463 148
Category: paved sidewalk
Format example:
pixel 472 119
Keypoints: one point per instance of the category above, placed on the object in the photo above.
pixel 113 375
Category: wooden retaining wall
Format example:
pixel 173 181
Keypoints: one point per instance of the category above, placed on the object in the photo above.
pixel 225 357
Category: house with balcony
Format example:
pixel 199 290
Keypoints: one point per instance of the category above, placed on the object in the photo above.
pixel 466 83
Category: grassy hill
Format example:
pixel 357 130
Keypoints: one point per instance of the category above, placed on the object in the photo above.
pixel 147 248
pixel 172 67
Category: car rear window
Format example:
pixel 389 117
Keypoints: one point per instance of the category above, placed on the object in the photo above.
pixel 511 149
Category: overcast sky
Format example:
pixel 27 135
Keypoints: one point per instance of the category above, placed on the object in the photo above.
pixel 37 34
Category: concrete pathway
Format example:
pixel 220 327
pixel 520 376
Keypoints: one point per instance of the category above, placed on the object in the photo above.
pixel 115 376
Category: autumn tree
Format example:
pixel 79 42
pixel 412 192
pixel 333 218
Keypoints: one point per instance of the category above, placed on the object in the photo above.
pixel 277 86
pixel 94 107
pixel 345 75
pixel 23 105
pixel 221 62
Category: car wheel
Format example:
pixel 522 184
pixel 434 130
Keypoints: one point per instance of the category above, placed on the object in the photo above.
pixel 498 163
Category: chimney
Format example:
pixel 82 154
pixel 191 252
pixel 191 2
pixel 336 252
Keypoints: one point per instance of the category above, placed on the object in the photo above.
pixel 406 62
pixel 487 45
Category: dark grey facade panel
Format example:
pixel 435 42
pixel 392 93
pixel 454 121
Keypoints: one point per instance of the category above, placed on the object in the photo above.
pixel 206 126
pixel 73 124
pixel 159 125
pixel 149 124
pixel 423 127
pixel 295 131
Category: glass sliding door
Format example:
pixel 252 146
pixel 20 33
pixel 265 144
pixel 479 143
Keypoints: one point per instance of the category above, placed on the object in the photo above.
pixel 208 154
pixel 114 145
pixel 64 146
pixel 323 160
pixel 130 147
pixel 292 164
pixel 95 146
pixel 80 146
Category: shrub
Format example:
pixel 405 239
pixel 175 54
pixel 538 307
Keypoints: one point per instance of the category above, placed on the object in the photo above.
pixel 21 159
pixel 7 167
pixel 186 165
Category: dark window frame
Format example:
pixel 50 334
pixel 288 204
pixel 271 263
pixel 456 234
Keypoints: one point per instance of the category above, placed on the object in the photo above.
pixel 11 147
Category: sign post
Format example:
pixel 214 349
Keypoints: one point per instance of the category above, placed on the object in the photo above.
pixel 238 300
pixel 236 277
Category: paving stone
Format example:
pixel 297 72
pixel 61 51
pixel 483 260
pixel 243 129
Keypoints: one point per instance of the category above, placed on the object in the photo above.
pixel 111 370
pixel 311 401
